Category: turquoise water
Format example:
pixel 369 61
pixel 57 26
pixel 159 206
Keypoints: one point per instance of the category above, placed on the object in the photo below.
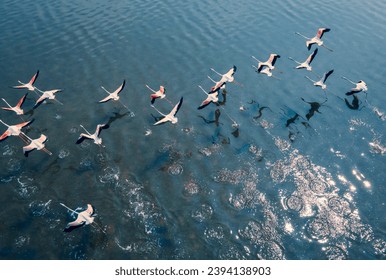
pixel 283 184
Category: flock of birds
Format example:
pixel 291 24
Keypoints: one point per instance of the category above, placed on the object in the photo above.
pixel 264 67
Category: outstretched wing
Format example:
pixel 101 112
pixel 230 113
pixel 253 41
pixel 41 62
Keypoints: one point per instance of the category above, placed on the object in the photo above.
pixel 232 71
pixel 23 124
pixel 100 127
pixel 321 31
pixel 82 137
pixel 177 107
pixel 21 101
pixel 204 103
pixel 272 58
pixel 41 99
pixel 121 87
pixel 34 77
pixel 5 135
pixel 90 209
pixel 326 75
pixel 42 138
pixel 312 56
pixel 27 149
pixel 106 99
pixel 163 120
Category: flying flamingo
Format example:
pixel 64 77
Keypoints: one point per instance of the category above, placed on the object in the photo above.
pixel 317 39
pixel 28 85
pixel 95 136
pixel 157 94
pixel 14 130
pixel 47 94
pixel 217 85
pixel 265 70
pixel 17 109
pixel 113 95
pixel 227 77
pixel 269 63
pixel 322 82
pixel 84 217
pixel 306 64
pixel 171 117
pixel 211 97
pixel 359 86
pixel 37 144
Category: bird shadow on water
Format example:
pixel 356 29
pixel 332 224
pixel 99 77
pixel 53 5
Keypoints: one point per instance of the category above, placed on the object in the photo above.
pixel 314 108
pixel 354 104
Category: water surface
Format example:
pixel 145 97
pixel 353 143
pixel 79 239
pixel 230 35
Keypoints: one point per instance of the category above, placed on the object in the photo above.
pixel 289 182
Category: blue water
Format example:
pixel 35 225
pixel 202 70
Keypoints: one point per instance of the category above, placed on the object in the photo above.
pixel 283 184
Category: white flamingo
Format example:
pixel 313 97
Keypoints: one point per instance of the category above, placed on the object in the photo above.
pixel 211 97
pixel 28 85
pixel 47 94
pixel 225 78
pixel 217 85
pixel 113 95
pixel 37 144
pixel 17 109
pixel 359 86
pixel 94 136
pixel 171 117
pixel 14 130
pixel 317 39
pixel 322 82
pixel 307 63
pixel 84 218
pixel 269 63
pixel 157 94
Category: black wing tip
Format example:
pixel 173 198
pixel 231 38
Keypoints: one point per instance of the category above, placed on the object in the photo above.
pixel 350 93
pixel 80 140
pixel 71 228
pixel 203 106
pixel 152 100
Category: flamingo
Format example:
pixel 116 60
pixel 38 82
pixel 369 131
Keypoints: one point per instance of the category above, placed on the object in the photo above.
pixel 37 144
pixel 269 63
pixel 17 109
pixel 48 94
pixel 322 82
pixel 317 39
pixel 211 97
pixel 171 117
pixel 113 95
pixel 157 94
pixel 359 86
pixel 306 64
pixel 28 85
pixel 95 136
pixel 14 130
pixel 84 218
pixel 265 70
pixel 218 85
pixel 227 77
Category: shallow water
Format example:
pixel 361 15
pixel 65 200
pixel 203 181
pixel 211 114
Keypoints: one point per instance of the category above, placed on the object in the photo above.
pixel 289 182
